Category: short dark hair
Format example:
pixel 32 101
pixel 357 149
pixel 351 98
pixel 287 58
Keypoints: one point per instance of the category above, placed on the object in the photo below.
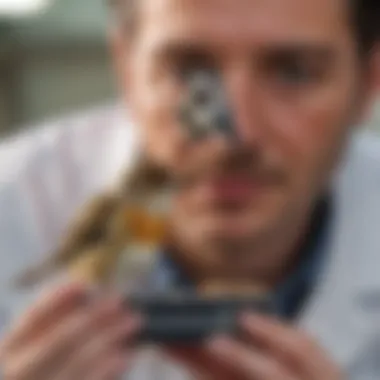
pixel 365 16
pixel 366 21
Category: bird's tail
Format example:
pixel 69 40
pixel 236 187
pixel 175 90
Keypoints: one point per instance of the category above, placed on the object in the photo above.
pixel 31 276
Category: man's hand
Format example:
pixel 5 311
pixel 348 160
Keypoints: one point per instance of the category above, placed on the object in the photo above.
pixel 268 350
pixel 65 337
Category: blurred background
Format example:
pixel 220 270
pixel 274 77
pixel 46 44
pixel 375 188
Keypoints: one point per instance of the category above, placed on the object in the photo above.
pixel 54 61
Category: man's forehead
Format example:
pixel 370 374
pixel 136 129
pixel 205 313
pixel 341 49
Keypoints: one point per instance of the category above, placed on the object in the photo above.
pixel 302 20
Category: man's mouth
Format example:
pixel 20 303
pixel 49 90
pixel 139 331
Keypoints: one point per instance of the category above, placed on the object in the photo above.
pixel 234 189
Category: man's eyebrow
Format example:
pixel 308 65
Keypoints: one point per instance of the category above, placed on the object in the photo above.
pixel 300 51
pixel 181 49
pixel 200 51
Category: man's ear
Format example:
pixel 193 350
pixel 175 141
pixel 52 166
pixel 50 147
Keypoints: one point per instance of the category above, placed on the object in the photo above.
pixel 120 51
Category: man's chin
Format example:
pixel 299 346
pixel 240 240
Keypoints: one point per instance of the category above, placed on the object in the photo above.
pixel 234 229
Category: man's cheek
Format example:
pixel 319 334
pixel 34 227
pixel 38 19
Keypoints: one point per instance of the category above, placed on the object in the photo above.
pixel 161 131
pixel 310 133
pixel 309 143
pixel 327 129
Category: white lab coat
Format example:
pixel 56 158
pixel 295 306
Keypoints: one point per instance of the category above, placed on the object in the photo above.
pixel 343 314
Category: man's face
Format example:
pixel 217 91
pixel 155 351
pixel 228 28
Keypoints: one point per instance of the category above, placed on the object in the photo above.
pixel 291 72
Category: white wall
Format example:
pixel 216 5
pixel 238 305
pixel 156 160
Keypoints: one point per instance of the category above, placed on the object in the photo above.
pixel 64 63
pixel 68 19
pixel 51 87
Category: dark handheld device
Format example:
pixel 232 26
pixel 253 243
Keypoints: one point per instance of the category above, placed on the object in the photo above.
pixel 182 317
pixel 191 318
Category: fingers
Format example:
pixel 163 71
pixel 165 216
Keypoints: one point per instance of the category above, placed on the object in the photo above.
pixel 273 347
pixel 197 359
pixel 204 363
pixel 272 350
pixel 115 338
pixel 93 335
pixel 53 346
pixel 82 325
pixel 110 344
pixel 51 306
pixel 110 368
pixel 287 344
pixel 249 362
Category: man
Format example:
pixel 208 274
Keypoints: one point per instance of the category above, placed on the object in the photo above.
pixel 292 208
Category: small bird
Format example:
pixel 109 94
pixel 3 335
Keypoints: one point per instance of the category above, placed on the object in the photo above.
pixel 104 228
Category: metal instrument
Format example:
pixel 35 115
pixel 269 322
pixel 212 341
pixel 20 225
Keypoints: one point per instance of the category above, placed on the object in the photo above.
pixel 204 110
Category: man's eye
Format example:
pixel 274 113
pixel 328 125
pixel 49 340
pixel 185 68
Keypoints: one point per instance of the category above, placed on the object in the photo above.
pixel 185 64
pixel 295 74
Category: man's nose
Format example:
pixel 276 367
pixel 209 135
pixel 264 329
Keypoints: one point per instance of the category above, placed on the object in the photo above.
pixel 246 102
